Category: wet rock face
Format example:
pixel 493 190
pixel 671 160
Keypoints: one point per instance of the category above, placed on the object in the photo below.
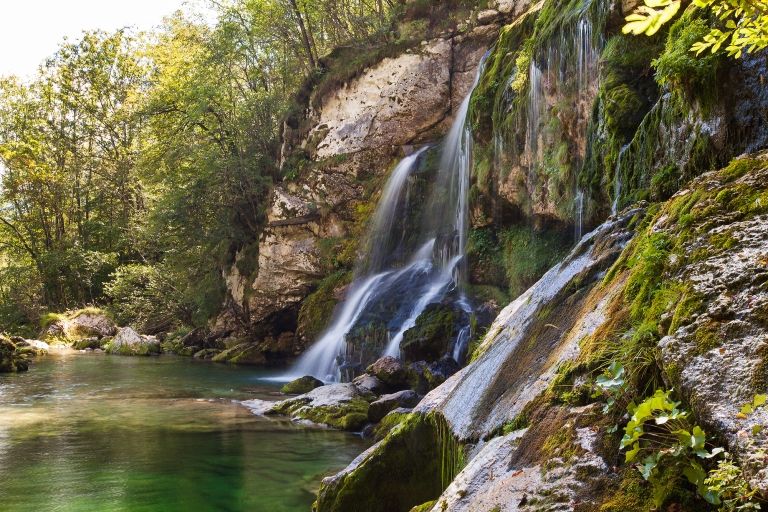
pixel 718 356
pixel 504 475
pixel 557 312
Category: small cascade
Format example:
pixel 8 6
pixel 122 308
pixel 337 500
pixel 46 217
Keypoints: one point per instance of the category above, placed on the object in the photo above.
pixel 536 105
pixel 414 257
pixel 578 224
pixel 617 181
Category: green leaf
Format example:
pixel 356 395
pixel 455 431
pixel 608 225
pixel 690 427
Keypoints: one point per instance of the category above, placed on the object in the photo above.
pixel 698 438
pixel 632 454
pixel 759 400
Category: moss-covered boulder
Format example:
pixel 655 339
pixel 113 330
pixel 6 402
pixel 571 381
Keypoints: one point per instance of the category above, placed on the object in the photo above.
pixel 409 467
pixel 128 342
pixel 391 372
pixel 432 335
pixel 12 358
pixel 301 385
pixel 342 406
pixel 77 325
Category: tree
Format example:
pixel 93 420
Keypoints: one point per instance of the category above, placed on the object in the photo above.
pixel 742 27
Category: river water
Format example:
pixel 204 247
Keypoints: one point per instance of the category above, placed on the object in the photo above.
pixel 93 432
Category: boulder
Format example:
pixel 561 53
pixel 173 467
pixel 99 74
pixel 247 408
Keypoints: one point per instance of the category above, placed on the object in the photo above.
pixel 369 384
pixel 391 372
pixel 424 377
pixel 342 406
pixel 12 358
pixel 85 323
pixel 302 385
pixel 432 335
pixel 90 323
pixel 37 347
pixel 128 342
pixel 381 407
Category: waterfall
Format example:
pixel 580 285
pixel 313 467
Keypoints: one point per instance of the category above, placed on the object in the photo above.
pixel 407 265
pixel 579 214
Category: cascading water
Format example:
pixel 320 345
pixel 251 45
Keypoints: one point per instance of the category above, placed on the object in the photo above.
pixel 406 267
pixel 579 214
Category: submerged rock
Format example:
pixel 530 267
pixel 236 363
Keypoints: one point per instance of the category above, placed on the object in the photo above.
pixel 243 353
pixel 302 385
pixel 128 342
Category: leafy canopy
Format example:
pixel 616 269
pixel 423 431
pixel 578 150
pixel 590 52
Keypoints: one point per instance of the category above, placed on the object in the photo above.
pixel 742 25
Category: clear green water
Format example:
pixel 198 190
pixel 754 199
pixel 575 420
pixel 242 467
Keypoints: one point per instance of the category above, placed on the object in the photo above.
pixel 92 432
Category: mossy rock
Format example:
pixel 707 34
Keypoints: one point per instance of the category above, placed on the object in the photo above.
pixel 244 353
pixel 341 406
pixel 301 385
pixel 12 359
pixel 432 335
pixel 404 469
pixel 90 343
pixel 128 342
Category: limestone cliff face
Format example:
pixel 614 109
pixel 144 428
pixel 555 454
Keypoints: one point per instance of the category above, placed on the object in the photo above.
pixel 338 155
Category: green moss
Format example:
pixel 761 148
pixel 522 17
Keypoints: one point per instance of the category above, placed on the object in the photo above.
pixel 389 422
pixel 301 385
pixel 488 293
pixel 351 416
pixel 687 307
pixel 708 337
pixel 432 334
pixel 632 494
pixel 682 70
pixel 665 182
pixel 49 319
pixel 91 343
pixel 520 421
pixel 424 507
pixel 742 166
pixel 12 358
pixel 317 308
pixel 528 254
pixel 407 469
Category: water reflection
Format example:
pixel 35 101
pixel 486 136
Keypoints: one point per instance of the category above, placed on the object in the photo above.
pixel 94 432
